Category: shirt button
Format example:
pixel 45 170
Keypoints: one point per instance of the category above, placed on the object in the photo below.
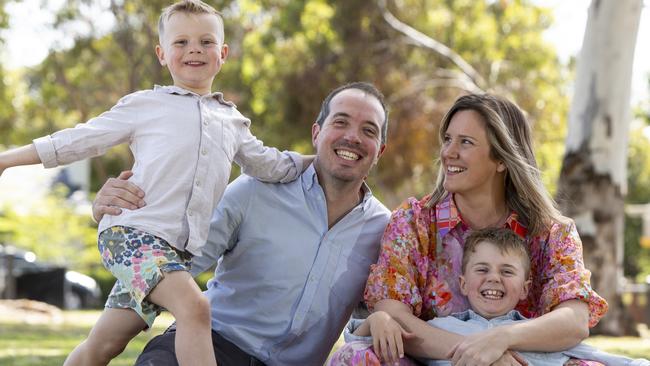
pixel 198 183
pixel 189 213
pixel 205 123
pixel 204 152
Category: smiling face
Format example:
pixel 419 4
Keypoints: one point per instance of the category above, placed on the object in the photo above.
pixel 494 281
pixel 465 155
pixel 192 49
pixel 348 143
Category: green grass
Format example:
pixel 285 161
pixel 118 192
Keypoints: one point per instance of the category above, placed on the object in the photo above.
pixel 23 344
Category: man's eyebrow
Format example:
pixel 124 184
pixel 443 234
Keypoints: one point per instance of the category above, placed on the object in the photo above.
pixel 340 114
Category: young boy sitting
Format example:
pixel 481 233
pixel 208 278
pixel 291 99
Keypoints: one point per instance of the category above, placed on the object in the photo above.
pixel 495 278
pixel 184 139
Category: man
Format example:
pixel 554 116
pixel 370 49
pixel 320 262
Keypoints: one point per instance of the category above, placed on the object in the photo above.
pixel 294 257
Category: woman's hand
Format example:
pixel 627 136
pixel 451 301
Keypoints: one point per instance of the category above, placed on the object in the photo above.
pixel 510 358
pixel 483 349
pixel 387 337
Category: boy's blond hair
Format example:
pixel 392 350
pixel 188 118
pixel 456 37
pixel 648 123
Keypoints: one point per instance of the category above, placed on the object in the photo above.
pixel 504 239
pixel 188 7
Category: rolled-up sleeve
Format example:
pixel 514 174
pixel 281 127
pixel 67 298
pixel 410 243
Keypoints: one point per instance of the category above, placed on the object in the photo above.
pixel 267 164
pixel 88 139
pixel 401 270
pixel 564 274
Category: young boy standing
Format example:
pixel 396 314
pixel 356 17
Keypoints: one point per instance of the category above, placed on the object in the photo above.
pixel 184 139
pixel 496 269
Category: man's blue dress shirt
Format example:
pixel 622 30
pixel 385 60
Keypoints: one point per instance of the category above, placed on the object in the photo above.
pixel 285 284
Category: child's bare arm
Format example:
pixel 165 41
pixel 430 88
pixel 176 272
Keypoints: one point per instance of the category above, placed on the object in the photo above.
pixel 25 155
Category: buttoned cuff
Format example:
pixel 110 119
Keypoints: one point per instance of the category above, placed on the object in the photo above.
pixel 46 152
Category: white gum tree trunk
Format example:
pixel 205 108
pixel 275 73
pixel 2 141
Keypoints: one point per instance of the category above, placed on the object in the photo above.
pixel 593 178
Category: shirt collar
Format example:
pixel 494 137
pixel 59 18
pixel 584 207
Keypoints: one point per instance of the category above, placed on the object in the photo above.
pixel 310 179
pixel 471 314
pixel 173 89
pixel 448 217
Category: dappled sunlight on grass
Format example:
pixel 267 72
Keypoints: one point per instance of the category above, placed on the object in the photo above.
pixel 629 346
pixel 24 344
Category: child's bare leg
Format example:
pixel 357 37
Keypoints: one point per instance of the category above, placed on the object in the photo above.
pixel 178 293
pixel 107 339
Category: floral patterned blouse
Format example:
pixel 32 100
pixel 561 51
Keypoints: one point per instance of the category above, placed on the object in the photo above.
pixel 420 263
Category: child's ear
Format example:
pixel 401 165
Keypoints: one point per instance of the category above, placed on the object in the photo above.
pixel 160 53
pixel 463 286
pixel 501 167
pixel 524 293
pixel 224 52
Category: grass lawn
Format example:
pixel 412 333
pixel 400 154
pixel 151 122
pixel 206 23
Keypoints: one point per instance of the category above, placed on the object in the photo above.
pixel 23 344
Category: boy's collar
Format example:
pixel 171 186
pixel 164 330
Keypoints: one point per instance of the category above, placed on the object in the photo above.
pixel 471 314
pixel 173 89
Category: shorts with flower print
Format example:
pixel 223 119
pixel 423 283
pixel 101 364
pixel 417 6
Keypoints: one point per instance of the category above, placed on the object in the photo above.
pixel 138 260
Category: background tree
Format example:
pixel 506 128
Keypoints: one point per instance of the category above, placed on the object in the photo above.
pixel 7 111
pixel 593 178
pixel 286 55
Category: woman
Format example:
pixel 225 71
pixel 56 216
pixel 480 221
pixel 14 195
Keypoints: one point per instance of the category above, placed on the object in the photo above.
pixel 488 177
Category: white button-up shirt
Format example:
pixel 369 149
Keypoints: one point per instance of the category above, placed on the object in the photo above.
pixel 183 145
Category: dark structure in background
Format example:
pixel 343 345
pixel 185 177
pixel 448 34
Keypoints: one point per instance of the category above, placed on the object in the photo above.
pixel 23 277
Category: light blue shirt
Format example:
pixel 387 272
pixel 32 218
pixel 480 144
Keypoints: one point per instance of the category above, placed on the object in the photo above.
pixel 469 322
pixel 285 284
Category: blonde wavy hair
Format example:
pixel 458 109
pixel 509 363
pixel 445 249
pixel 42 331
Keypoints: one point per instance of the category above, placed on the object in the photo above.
pixel 509 135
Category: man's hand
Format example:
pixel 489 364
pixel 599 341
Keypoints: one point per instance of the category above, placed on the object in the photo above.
pixel 115 194
pixel 387 337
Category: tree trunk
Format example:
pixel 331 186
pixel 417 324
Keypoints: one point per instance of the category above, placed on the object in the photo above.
pixel 593 176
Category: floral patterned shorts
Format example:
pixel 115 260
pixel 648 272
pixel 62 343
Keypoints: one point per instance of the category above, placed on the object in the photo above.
pixel 138 260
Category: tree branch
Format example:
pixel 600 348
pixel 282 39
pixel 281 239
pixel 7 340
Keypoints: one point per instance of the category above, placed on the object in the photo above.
pixel 428 42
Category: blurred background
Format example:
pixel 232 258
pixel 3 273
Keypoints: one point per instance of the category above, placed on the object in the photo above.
pixel 65 61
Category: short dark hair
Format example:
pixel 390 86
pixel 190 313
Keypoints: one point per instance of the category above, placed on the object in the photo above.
pixel 505 239
pixel 365 87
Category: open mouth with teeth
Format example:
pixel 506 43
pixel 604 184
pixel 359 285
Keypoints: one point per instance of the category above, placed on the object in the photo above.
pixel 455 169
pixel 195 63
pixel 347 155
pixel 492 294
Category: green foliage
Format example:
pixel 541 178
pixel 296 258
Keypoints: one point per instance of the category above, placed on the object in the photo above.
pixel 285 57
pixel 637 259
pixel 54 231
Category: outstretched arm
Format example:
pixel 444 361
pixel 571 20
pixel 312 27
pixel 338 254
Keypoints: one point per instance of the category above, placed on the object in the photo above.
pixel 25 155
